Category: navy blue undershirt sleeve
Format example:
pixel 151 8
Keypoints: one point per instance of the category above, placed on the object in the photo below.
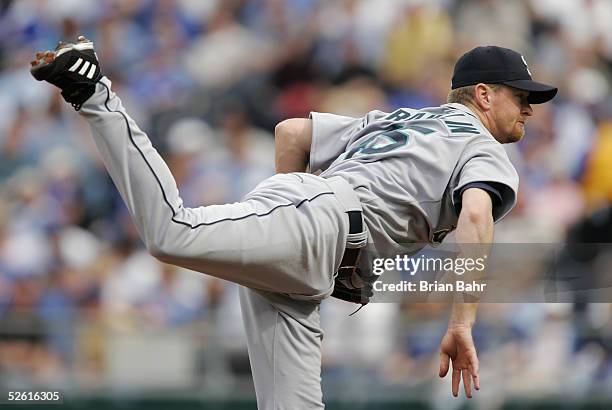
pixel 490 187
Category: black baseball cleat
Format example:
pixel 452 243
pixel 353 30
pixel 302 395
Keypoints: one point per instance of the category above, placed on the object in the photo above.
pixel 72 67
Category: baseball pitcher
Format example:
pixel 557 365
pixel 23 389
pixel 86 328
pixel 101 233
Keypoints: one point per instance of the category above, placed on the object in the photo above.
pixel 387 179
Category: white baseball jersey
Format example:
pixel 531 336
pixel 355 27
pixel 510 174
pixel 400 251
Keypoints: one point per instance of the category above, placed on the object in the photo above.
pixel 409 168
pixel 286 239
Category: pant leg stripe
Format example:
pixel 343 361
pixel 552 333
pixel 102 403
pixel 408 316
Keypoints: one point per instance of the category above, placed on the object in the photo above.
pixel 172 210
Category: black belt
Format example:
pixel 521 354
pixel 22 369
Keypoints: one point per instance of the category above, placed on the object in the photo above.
pixel 351 255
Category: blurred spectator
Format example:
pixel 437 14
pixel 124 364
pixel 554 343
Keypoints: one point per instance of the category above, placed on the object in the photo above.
pixel 498 22
pixel 421 39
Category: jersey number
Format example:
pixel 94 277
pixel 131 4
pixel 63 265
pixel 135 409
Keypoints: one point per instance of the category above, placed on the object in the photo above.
pixel 383 142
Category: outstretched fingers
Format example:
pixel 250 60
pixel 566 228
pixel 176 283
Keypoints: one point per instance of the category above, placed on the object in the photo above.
pixel 444 364
pixel 473 368
pixel 467 382
pixel 459 354
pixel 467 372
pixel 456 381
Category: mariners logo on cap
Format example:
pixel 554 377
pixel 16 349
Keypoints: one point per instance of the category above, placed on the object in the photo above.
pixel 526 66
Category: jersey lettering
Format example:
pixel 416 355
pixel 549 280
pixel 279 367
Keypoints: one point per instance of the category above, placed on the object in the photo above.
pixel 454 127
pixel 402 115
pixel 383 142
pixel 398 115
pixel 416 116
pixel 457 127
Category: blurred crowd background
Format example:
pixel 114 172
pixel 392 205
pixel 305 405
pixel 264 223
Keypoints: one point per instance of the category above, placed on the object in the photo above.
pixel 84 308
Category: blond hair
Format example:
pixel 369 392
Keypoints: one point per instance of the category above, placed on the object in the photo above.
pixel 465 95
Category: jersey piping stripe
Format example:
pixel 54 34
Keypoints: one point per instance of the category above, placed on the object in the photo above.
pixel 164 193
pixel 465 112
pixel 76 65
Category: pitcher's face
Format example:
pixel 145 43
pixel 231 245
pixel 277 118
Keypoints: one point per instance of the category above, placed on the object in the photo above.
pixel 509 113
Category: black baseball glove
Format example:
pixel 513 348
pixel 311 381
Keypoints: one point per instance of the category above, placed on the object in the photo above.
pixel 352 285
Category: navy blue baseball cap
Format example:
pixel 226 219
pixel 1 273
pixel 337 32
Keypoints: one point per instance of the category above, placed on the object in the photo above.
pixel 498 65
